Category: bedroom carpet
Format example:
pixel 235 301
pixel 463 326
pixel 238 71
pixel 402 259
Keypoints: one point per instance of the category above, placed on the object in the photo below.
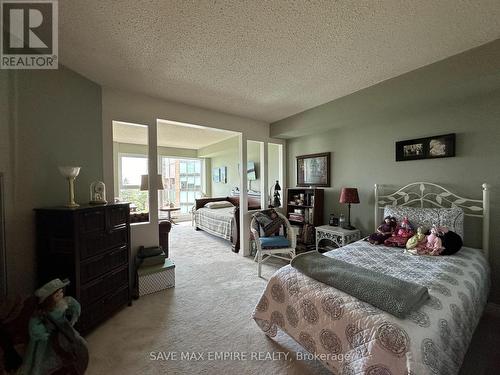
pixel 209 310
pixel 207 314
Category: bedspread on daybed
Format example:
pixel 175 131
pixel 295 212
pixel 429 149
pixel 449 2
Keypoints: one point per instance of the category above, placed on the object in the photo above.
pixel 215 221
pixel 354 337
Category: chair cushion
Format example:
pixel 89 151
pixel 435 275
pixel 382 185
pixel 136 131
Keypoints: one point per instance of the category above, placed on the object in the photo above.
pixel 274 242
pixel 269 221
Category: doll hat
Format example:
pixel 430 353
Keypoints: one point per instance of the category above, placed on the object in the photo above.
pixel 50 288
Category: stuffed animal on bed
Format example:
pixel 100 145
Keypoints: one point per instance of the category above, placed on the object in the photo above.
pixel 384 231
pixel 401 235
pixel 417 239
pixel 432 245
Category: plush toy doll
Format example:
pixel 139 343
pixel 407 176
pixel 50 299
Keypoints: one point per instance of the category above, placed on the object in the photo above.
pixel 384 231
pixel 55 346
pixel 403 232
pixel 416 240
pixel 433 244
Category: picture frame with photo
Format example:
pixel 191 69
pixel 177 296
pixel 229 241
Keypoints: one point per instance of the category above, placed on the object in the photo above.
pixel 435 147
pixel 313 170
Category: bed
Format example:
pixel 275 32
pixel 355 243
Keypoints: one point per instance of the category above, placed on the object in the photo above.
pixel 350 336
pixel 222 222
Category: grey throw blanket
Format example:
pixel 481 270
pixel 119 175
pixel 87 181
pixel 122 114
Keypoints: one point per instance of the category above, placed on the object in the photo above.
pixel 397 297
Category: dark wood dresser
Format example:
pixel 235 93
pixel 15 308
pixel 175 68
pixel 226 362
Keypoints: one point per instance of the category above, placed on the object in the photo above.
pixel 90 246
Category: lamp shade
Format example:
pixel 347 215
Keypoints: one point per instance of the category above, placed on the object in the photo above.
pixel 349 195
pixel 145 182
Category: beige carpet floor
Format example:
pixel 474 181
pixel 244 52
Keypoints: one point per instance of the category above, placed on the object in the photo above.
pixel 209 311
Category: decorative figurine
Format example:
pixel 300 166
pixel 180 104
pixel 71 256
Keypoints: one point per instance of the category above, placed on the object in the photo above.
pixel 416 240
pixel 384 231
pixel 432 244
pixel 401 235
pixel 55 346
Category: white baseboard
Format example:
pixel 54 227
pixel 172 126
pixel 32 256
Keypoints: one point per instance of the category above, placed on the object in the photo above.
pixel 493 308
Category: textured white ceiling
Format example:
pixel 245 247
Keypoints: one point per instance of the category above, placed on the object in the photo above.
pixel 170 134
pixel 264 59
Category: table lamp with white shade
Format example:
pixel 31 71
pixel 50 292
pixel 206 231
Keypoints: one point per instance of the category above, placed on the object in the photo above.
pixel 145 182
pixel 70 174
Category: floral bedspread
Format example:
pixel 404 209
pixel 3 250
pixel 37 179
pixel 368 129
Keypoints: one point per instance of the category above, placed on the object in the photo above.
pixel 353 337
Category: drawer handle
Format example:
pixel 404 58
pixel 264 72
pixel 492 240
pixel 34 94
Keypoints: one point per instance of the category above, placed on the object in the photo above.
pixel 115 252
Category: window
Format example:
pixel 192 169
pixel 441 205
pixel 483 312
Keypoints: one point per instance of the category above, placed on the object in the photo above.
pixel 184 184
pixel 131 167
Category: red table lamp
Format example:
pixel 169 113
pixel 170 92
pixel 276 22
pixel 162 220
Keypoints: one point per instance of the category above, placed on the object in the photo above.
pixel 349 195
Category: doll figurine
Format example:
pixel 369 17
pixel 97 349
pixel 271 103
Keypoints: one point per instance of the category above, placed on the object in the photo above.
pixel 384 231
pixel 416 240
pixel 401 235
pixel 55 346
pixel 434 245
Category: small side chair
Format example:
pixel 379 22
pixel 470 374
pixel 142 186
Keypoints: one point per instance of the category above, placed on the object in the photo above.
pixel 273 246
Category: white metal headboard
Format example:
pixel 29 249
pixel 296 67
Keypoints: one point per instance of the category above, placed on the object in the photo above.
pixel 427 194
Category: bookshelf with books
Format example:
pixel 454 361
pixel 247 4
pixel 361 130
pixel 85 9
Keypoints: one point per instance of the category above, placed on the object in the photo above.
pixel 304 210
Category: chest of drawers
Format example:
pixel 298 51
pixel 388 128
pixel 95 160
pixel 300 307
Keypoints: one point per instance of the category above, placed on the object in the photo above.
pixel 90 246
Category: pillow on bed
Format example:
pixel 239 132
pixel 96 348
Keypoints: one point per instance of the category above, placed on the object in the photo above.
pixel 452 218
pixel 219 204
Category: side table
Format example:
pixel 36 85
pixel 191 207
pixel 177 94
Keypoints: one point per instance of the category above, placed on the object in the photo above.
pixel 338 235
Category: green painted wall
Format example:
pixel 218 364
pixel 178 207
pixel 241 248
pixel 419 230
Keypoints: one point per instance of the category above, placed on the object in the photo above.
pixel 273 167
pixel 222 154
pixel 5 170
pixel 363 145
pixel 55 119
pixel 226 154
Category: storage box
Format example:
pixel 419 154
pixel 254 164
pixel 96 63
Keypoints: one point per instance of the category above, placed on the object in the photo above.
pixel 155 278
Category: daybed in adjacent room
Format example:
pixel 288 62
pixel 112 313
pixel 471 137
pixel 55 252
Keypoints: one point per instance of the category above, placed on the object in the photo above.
pixel 223 222
pixel 351 336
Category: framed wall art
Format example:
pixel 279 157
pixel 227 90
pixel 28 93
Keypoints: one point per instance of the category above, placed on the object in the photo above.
pixel 439 146
pixel 223 175
pixel 313 170
pixel 215 174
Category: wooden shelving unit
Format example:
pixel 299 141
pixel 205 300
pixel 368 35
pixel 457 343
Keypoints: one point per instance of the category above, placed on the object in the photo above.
pixel 307 208
pixel 312 205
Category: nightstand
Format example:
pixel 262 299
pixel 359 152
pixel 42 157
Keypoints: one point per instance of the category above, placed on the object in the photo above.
pixel 338 235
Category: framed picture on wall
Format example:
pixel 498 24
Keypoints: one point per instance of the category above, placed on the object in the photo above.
pixel 313 170
pixel 216 174
pixel 439 146
pixel 223 175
